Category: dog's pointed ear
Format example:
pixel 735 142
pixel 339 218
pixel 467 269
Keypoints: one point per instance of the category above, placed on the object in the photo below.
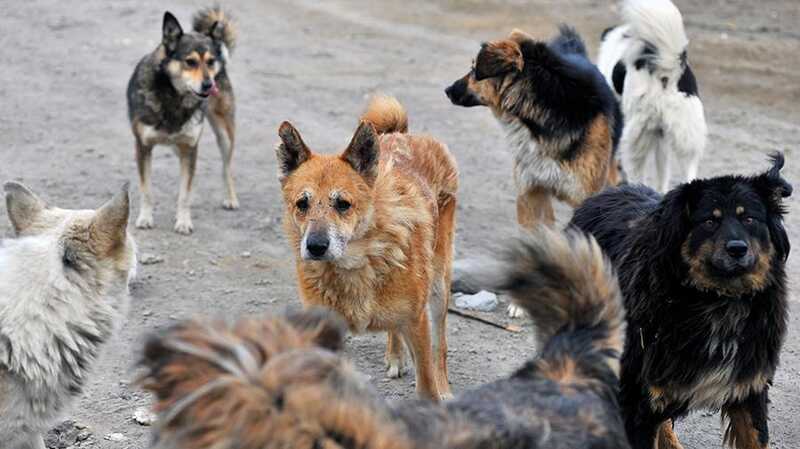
pixel 217 31
pixel 498 58
pixel 519 36
pixel 771 184
pixel 363 152
pixel 323 326
pixel 109 227
pixel 23 206
pixel 291 151
pixel 171 32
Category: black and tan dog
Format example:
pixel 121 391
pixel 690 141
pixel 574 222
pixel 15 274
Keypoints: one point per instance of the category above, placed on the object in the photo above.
pixel 279 382
pixel 702 272
pixel 561 117
pixel 171 92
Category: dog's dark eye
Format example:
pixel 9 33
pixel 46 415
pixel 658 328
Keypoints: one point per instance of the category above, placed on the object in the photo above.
pixel 192 63
pixel 302 204
pixel 342 205
pixel 749 220
pixel 211 61
pixel 69 258
pixel 710 224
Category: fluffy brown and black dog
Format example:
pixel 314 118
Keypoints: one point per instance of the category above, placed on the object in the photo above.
pixel 702 272
pixel 171 92
pixel 561 117
pixel 280 383
pixel 372 228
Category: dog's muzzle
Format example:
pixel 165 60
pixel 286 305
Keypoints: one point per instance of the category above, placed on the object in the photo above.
pixel 459 95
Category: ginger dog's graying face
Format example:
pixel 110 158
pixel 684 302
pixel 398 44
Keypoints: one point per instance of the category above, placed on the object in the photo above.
pixel 192 60
pixel 328 197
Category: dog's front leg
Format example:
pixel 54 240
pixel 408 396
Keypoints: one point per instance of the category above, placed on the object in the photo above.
pixel 144 161
pixel 747 426
pixel 183 217
pixel 535 207
pixel 417 337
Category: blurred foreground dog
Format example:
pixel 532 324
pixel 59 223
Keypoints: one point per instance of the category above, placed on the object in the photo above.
pixel 561 117
pixel 279 382
pixel 702 273
pixel 172 91
pixel 372 228
pixel 645 61
pixel 63 292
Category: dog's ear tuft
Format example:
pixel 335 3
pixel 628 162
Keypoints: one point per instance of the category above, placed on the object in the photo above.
pixel 498 58
pixel 325 327
pixel 23 206
pixel 171 32
pixel 771 184
pixel 110 223
pixel 291 151
pixel 363 152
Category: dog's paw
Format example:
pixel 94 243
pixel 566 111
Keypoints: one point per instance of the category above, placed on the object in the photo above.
pixel 184 227
pixel 395 369
pixel 445 396
pixel 515 311
pixel 230 204
pixel 145 221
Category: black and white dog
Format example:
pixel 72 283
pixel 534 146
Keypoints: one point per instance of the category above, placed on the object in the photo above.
pixel 645 62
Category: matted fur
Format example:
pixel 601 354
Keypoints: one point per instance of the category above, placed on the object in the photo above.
pixel 705 325
pixel 277 382
pixel 63 292
pixel 384 259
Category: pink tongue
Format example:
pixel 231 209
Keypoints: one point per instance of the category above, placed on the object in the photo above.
pixel 214 90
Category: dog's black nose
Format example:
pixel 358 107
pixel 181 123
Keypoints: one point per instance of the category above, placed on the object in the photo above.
pixel 207 84
pixel 736 248
pixel 449 92
pixel 317 244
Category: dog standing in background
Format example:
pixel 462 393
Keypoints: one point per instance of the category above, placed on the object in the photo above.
pixel 645 62
pixel 280 382
pixel 171 92
pixel 372 230
pixel 63 293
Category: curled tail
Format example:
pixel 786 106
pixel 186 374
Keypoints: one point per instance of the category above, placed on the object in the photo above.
pixel 217 23
pixel 386 114
pixel 262 384
pixel 568 41
pixel 658 24
pixel 569 289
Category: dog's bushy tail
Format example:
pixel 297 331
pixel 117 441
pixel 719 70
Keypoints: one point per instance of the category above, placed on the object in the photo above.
pixel 570 290
pixel 658 23
pixel 568 41
pixel 262 384
pixel 205 21
pixel 386 114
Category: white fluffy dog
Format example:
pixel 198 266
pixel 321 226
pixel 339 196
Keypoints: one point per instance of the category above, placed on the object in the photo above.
pixel 63 292
pixel 644 60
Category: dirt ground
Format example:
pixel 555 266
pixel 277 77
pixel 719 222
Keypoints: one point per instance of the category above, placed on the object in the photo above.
pixel 65 133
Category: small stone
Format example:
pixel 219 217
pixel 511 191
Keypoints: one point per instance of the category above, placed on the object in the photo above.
pixel 151 259
pixel 144 416
pixel 483 301
pixel 147 313
pixel 116 437
pixel 246 254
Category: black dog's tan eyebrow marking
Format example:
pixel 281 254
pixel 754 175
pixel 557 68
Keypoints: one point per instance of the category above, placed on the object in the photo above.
pixel 717 213
pixel 739 210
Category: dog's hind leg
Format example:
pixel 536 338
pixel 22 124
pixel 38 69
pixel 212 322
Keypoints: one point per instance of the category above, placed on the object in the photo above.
pixel 144 159
pixel 534 207
pixel 439 299
pixel 663 168
pixel 183 216
pixel 222 122
pixel 395 355
pixel 692 165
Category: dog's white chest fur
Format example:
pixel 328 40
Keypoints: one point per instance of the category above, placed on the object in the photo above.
pixel 189 134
